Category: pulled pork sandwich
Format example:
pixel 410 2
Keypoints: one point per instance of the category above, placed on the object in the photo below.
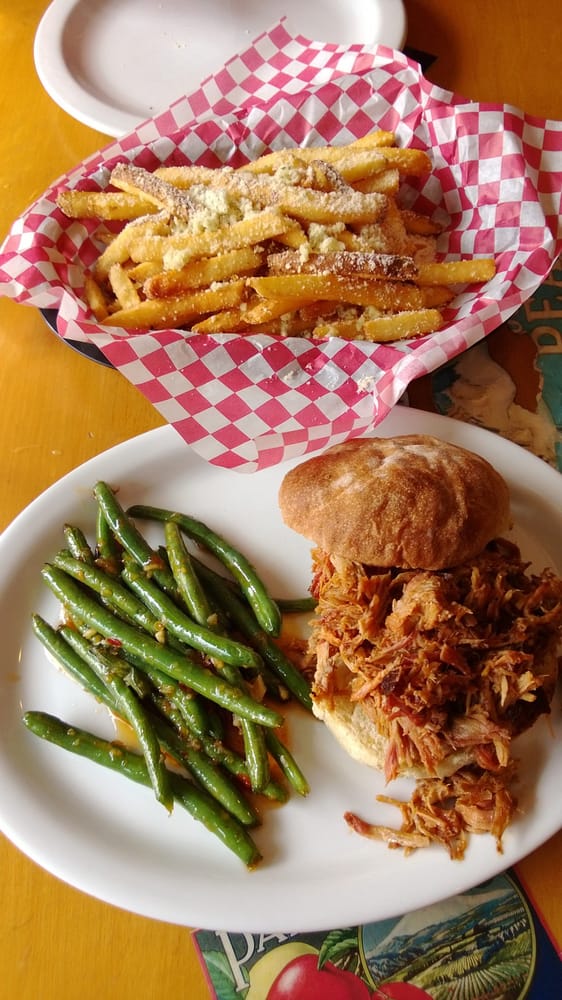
pixel 434 645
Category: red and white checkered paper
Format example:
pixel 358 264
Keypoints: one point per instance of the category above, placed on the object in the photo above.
pixel 248 402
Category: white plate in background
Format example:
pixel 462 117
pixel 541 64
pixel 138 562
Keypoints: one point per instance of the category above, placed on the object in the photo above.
pixel 110 838
pixel 114 63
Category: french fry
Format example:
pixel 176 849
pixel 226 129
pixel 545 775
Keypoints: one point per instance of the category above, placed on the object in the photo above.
pixel 270 162
pixel 95 298
pixel 178 249
pixel 157 314
pixel 347 263
pixel 204 271
pixel 383 329
pixel 225 321
pixel 301 242
pixel 383 182
pixel 273 307
pixel 327 207
pixel 109 205
pixel 186 176
pixel 453 272
pixel 119 249
pixel 122 287
pixel 392 296
pixel 139 273
pixel 137 181
pixel 421 225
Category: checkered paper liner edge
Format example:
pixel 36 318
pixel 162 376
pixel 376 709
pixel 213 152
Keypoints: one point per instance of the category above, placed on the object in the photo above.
pixel 249 402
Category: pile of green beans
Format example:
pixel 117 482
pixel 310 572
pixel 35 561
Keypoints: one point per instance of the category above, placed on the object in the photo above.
pixel 185 656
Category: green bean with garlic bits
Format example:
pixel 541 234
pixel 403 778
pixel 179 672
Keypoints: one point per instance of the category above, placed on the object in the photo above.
pixel 186 667
pixel 108 549
pixel 112 592
pixel 203 770
pixel 70 662
pixel 129 707
pixel 189 586
pixel 78 544
pixel 131 539
pixel 183 627
pixel 117 758
pixel 239 613
pixel 255 591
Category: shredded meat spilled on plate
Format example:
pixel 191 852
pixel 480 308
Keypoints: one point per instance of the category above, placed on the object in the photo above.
pixel 451 665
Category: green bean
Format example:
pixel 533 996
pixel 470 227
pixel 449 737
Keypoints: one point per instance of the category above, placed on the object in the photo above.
pixel 255 750
pixel 112 592
pixel 121 600
pixel 242 617
pixel 199 765
pixel 187 581
pixel 206 772
pixel 114 756
pixel 193 708
pixel 130 707
pixel 73 664
pixel 184 628
pixel 287 763
pixel 186 668
pixel 196 731
pixel 264 607
pixel 78 544
pixel 108 549
pixel 128 535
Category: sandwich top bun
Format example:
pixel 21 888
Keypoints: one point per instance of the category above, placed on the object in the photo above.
pixel 412 502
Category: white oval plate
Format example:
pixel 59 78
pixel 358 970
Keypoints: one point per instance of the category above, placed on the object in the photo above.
pixel 110 838
pixel 113 64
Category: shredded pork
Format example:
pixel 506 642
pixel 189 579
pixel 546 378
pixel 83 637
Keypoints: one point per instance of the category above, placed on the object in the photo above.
pixel 450 665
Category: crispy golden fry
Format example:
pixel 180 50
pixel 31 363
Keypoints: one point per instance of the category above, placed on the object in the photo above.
pixel 328 207
pixel 453 272
pixel 294 236
pixel 205 271
pixel 383 181
pixel 271 308
pixel 436 295
pixel 385 295
pixel 178 249
pixel 186 176
pixel 225 321
pixel 139 273
pixel 109 205
pixel 359 165
pixel 373 139
pixel 95 297
pixel 118 250
pixel 346 263
pixel 383 329
pixel 421 225
pixel 137 181
pixel 122 287
pixel 270 162
pixel 157 314
pixel 302 242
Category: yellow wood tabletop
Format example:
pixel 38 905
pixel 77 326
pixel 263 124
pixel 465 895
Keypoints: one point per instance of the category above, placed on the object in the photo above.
pixel 58 409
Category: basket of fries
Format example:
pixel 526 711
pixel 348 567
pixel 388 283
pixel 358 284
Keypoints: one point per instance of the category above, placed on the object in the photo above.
pixel 276 257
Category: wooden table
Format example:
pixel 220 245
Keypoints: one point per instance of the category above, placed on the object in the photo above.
pixel 59 409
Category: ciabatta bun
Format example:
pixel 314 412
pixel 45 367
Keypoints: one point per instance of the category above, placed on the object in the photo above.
pixel 412 502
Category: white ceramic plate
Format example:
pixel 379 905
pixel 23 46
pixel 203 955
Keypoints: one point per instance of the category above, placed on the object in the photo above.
pixel 98 832
pixel 114 63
